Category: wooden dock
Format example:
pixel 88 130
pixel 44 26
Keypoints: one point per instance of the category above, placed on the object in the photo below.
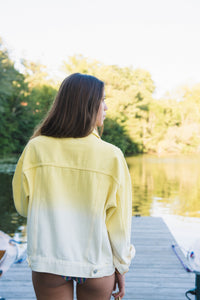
pixel 155 273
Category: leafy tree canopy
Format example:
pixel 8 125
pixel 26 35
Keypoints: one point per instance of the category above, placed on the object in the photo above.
pixel 135 122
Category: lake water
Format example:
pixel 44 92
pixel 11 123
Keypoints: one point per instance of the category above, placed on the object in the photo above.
pixel 167 187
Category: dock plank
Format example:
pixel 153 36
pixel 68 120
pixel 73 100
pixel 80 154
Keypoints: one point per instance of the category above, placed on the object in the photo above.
pixel 155 273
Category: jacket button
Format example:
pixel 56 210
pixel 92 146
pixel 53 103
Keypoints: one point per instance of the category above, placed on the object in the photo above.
pixel 95 271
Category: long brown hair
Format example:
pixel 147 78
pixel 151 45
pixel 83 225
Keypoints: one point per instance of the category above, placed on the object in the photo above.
pixel 74 110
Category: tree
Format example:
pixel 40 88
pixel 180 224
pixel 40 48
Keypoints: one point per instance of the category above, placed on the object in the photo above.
pixel 128 94
pixel 23 103
pixel 12 94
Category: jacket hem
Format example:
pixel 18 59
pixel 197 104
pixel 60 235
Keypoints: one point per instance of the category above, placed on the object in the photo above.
pixel 74 269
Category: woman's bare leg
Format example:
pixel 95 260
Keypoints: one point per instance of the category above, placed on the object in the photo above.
pixel 50 287
pixel 96 288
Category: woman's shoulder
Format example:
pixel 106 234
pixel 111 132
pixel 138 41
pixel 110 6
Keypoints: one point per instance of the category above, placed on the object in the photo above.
pixel 110 150
pixel 36 145
pixel 111 147
pixel 39 139
pixel 40 142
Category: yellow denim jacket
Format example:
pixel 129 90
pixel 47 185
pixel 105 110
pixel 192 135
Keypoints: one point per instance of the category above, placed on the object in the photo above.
pixel 76 195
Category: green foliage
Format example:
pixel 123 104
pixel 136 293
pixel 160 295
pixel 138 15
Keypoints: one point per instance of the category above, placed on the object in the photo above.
pixel 36 74
pixel 12 93
pixel 128 96
pixel 40 100
pixel 116 134
pixel 160 126
pixel 136 122
pixel 21 106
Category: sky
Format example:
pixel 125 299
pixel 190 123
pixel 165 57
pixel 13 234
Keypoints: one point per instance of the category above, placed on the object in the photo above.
pixel 160 36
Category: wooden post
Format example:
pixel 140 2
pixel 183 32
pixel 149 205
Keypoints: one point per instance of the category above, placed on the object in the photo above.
pixel 197 282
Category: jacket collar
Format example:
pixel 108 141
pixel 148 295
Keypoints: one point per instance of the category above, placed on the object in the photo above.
pixel 95 132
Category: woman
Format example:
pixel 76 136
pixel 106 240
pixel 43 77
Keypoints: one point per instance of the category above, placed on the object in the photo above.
pixel 75 191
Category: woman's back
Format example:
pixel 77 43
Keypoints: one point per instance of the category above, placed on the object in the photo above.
pixel 72 185
pixel 75 191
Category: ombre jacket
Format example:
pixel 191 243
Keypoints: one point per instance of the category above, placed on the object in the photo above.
pixel 76 195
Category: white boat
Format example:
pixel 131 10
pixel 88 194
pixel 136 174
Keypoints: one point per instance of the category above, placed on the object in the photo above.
pixel 11 251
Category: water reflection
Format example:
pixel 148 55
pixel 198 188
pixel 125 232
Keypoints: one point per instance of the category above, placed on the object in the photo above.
pixel 161 186
pixel 165 185
pixel 10 221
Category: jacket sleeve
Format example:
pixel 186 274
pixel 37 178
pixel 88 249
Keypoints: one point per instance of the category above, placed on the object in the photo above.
pixel 118 221
pixel 20 188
